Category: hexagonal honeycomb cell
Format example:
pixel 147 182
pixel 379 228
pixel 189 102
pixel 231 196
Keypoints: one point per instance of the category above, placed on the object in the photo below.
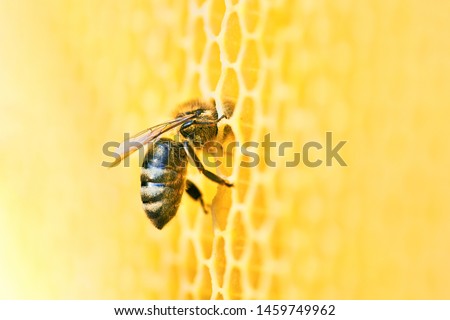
pixel 216 14
pixel 199 41
pixel 232 37
pixel 250 65
pixel 214 66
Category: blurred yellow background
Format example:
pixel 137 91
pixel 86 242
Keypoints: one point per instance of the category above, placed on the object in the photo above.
pixel 76 74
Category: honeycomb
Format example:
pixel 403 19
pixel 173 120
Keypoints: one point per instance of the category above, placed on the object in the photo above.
pixel 76 74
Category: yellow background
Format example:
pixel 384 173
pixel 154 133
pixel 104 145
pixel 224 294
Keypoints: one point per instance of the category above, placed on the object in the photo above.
pixel 76 74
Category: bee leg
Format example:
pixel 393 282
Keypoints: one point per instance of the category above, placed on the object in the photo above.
pixel 195 194
pixel 199 165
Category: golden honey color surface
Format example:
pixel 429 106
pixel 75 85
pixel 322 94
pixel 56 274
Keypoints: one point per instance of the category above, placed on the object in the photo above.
pixel 77 74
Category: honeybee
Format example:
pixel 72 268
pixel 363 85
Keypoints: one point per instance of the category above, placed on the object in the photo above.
pixel 163 173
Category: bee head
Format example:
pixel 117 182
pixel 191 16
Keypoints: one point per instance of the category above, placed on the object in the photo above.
pixel 203 127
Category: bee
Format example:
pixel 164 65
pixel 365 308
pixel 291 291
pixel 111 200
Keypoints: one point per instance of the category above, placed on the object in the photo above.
pixel 164 168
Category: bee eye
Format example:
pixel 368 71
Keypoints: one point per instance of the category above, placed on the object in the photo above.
pixel 198 112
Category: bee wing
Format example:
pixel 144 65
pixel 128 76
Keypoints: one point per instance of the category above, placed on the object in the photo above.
pixel 144 137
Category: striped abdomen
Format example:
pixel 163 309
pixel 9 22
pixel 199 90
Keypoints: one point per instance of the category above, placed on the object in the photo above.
pixel 163 180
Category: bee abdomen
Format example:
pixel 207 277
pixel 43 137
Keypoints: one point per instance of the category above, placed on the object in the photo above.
pixel 152 209
pixel 151 192
pixel 161 202
pixel 161 175
pixel 163 180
